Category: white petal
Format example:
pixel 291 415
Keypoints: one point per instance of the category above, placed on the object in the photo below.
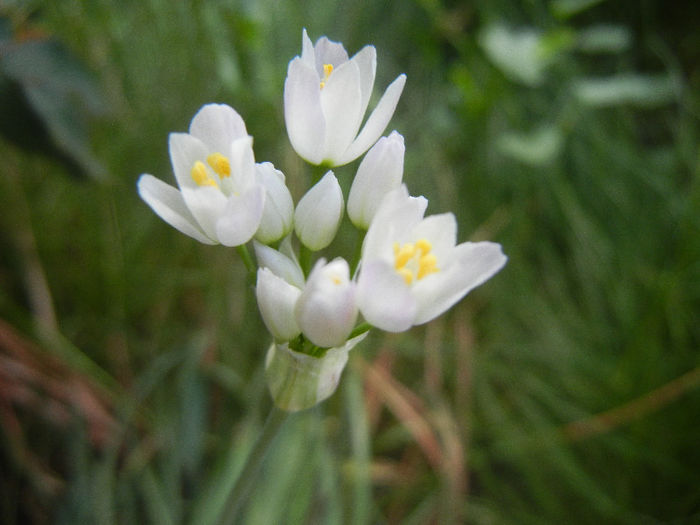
pixel 278 214
pixel 303 116
pixel 217 125
pixel 307 51
pixel 241 218
pixel 185 150
pixel 169 205
pixel 276 299
pixel 383 297
pixel 397 215
pixel 366 60
pixel 329 52
pixel 377 121
pixel 474 263
pixel 441 231
pixel 206 204
pixel 242 164
pixel 318 213
pixel 326 310
pixel 341 100
pixel 280 263
pixel 379 173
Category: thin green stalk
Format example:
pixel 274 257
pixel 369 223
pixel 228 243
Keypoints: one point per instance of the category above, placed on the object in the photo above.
pixel 248 261
pixel 358 251
pixel 305 259
pixel 360 329
pixel 317 172
pixel 239 492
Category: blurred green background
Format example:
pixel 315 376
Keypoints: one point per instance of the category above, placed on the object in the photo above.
pixel 565 390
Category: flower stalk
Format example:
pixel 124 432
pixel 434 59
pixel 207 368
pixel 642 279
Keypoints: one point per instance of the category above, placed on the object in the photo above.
pixel 239 493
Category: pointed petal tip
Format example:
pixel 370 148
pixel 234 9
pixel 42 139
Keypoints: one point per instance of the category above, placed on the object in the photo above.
pixel 377 121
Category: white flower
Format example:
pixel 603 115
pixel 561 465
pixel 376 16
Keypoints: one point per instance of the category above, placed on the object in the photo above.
pixel 219 200
pixel 278 212
pixel 380 172
pixel 318 213
pixel 276 300
pixel 412 271
pixel 326 311
pixel 325 100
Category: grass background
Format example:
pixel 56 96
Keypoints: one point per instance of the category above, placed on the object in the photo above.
pixel 565 390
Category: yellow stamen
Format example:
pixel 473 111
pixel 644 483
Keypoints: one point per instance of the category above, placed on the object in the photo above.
pixel 424 246
pixel 413 261
pixel 406 274
pixel 403 255
pixel 200 175
pixel 427 264
pixel 327 70
pixel 220 164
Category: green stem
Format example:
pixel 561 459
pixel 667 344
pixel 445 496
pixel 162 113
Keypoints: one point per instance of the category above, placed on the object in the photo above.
pixel 317 172
pixel 239 493
pixel 358 252
pixel 248 261
pixel 304 259
pixel 360 329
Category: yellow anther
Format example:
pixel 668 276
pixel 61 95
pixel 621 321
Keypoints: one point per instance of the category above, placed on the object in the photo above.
pixel 220 164
pixel 413 261
pixel 327 70
pixel 404 254
pixel 427 264
pixel 200 175
pixel 336 280
pixel 424 246
pixel 406 274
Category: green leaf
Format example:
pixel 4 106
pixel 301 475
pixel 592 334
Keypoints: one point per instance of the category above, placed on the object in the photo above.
pixel 523 54
pixel 568 8
pixel 640 90
pixel 536 148
pixel 45 91
pixel 604 38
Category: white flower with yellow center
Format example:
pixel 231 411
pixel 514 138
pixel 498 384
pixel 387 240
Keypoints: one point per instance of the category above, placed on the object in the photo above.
pixel 219 198
pixel 325 99
pixel 412 270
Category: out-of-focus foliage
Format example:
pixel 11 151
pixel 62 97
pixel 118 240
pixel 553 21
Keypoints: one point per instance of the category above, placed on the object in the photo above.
pixel 566 390
pixel 46 98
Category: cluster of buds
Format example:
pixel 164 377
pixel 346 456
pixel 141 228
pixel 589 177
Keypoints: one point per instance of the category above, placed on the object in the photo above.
pixel 410 268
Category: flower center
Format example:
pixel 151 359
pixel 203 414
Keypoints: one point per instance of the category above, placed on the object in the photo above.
pixel 218 162
pixel 413 261
pixel 327 70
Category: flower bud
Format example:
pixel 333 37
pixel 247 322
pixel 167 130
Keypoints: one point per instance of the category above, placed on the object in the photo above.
pixel 318 213
pixel 282 263
pixel 380 172
pixel 298 381
pixel 276 300
pixel 326 311
pixel 279 208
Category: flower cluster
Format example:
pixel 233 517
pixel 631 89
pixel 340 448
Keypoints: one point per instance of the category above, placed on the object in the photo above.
pixel 410 268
